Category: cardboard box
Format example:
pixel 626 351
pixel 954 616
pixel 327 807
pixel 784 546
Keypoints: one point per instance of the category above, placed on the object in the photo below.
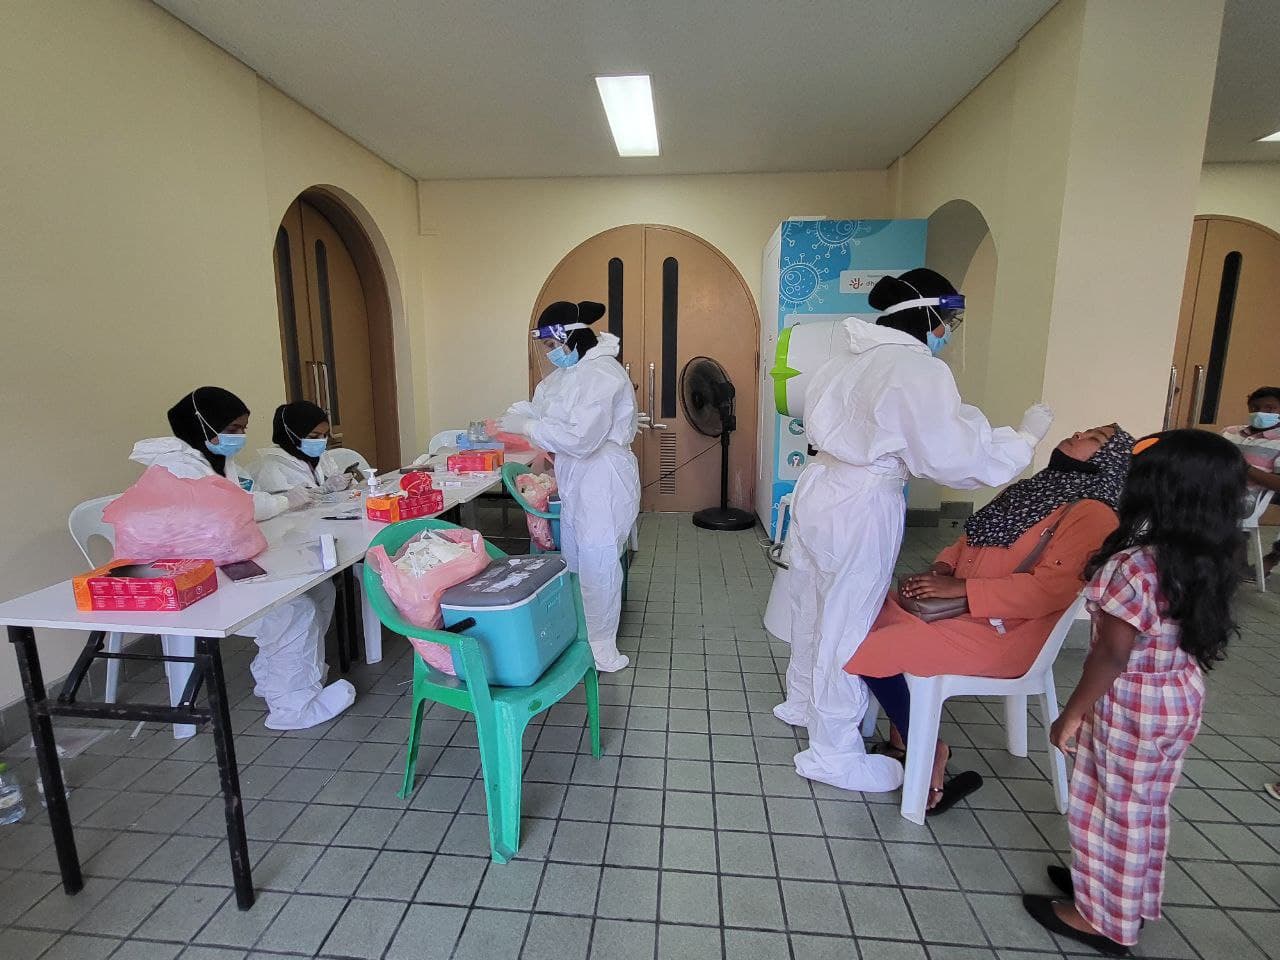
pixel 394 507
pixel 475 461
pixel 158 585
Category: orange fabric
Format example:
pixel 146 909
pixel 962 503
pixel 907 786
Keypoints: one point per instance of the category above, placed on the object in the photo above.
pixel 1028 603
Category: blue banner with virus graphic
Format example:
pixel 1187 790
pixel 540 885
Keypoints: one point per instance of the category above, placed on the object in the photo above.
pixel 825 268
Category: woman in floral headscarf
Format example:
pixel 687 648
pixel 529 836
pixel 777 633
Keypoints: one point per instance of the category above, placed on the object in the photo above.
pixel 1010 613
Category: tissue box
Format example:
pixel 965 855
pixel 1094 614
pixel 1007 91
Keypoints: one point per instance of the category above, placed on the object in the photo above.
pixel 394 507
pixel 158 585
pixel 475 461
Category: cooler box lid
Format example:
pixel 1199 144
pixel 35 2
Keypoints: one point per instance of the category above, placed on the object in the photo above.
pixel 505 582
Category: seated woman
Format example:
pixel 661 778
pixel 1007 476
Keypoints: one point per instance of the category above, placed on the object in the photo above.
pixel 208 430
pixel 1010 614
pixel 300 457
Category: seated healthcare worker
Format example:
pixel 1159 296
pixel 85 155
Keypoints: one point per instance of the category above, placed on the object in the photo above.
pixel 584 412
pixel 300 457
pixel 208 430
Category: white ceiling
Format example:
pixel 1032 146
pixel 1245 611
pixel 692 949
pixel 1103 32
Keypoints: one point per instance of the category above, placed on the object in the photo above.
pixel 497 88
pixel 1246 95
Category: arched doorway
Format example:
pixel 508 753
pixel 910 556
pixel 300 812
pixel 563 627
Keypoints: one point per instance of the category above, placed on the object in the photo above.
pixel 1226 345
pixel 671 296
pixel 961 248
pixel 335 324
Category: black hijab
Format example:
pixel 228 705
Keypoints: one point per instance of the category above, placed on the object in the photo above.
pixel 912 285
pixel 292 422
pixel 217 407
pixel 1024 504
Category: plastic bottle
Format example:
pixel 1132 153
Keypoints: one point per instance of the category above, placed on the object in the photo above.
pixel 66 789
pixel 12 809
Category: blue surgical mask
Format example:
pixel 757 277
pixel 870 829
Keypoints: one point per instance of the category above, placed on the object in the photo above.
pixel 1264 421
pixel 936 343
pixel 227 444
pixel 563 357
pixel 313 446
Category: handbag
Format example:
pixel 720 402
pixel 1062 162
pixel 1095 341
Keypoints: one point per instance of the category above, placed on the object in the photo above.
pixel 930 609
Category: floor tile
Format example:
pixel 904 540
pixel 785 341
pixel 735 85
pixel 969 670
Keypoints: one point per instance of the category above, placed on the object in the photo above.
pixel 364 930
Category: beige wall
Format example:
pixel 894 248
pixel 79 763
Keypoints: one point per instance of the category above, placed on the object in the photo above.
pixel 492 243
pixel 144 174
pixel 1082 150
pixel 1250 191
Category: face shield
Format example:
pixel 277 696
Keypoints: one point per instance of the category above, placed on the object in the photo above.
pixel 549 346
pixel 946 311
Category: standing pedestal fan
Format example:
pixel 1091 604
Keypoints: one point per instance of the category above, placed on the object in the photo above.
pixel 706 393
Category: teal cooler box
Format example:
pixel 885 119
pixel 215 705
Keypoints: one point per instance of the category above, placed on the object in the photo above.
pixel 525 616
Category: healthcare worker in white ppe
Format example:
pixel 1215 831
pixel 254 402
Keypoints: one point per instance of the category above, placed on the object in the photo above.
pixel 880 410
pixel 584 412
pixel 208 431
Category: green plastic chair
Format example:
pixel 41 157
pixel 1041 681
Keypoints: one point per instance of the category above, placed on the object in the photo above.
pixel 501 713
pixel 509 473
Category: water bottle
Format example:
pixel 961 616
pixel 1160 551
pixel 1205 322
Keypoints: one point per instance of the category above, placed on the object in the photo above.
pixel 12 808
pixel 66 789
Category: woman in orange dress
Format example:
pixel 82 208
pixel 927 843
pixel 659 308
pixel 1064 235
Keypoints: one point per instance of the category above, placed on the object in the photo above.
pixel 1010 614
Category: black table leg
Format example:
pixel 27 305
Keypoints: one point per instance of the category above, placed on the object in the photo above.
pixel 209 652
pixel 355 629
pixel 55 793
pixel 341 622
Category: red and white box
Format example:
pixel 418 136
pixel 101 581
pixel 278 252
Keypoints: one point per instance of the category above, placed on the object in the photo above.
pixel 158 585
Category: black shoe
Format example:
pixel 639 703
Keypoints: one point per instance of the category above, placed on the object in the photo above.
pixel 954 790
pixel 1042 912
pixel 1060 877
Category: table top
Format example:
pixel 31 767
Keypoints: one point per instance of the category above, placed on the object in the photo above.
pixel 292 562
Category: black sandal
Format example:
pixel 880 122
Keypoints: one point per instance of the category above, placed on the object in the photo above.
pixel 954 790
pixel 886 749
pixel 1042 912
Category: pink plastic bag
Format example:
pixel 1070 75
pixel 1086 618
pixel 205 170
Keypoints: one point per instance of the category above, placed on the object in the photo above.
pixel 418 597
pixel 206 518
pixel 537 490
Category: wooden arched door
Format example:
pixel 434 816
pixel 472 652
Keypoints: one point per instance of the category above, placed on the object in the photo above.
pixel 671 296
pixel 1227 344
pixel 335 326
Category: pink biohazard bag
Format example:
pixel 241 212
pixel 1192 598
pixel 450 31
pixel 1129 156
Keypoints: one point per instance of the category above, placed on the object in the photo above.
pixel 418 597
pixel 537 490
pixel 206 518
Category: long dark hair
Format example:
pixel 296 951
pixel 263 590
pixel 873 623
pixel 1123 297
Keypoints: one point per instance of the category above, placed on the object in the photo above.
pixel 1184 498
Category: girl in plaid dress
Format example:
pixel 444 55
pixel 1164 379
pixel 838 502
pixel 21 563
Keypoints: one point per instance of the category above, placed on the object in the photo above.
pixel 1160 594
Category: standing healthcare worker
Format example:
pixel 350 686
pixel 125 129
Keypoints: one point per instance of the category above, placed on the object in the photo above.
pixel 584 412
pixel 208 431
pixel 884 408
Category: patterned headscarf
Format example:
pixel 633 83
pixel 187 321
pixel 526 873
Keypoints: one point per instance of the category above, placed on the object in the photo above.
pixel 1024 504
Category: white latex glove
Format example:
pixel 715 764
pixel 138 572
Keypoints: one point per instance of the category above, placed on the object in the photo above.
pixel 516 423
pixel 337 483
pixel 299 497
pixel 1036 422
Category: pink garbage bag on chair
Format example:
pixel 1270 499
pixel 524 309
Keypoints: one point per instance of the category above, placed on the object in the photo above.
pixel 205 518
pixel 418 597
pixel 537 489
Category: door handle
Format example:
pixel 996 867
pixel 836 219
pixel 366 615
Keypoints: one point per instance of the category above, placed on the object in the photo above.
pixel 327 402
pixel 1197 395
pixel 1171 396
pixel 653 393
pixel 315 382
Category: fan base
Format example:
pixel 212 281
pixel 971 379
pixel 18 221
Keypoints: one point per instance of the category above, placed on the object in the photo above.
pixel 724 518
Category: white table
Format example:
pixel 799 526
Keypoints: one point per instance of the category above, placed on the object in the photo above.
pixel 293 566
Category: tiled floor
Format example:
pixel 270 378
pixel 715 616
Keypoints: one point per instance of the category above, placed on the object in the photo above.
pixel 691 838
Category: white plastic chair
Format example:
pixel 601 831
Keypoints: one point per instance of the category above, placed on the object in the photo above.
pixel 1250 526
pixel 445 438
pixel 85 523
pixel 929 693
pixel 344 458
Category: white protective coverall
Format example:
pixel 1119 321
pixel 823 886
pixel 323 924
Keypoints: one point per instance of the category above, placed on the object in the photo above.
pixel 586 415
pixel 884 409
pixel 289 669
pixel 278 470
